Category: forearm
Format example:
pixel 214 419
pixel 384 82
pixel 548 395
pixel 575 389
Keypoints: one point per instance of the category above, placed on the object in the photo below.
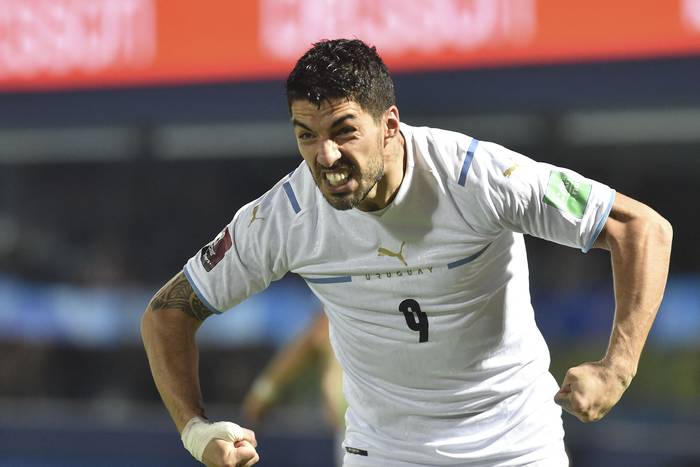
pixel 640 248
pixel 168 330
pixel 173 358
pixel 639 241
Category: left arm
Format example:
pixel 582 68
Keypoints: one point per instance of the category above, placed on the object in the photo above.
pixel 639 241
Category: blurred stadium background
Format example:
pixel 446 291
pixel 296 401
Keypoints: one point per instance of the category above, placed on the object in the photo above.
pixel 131 131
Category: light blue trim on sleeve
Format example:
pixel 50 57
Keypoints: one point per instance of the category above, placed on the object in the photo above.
pixel 467 161
pixel 199 294
pixel 292 197
pixel 601 223
pixel 329 280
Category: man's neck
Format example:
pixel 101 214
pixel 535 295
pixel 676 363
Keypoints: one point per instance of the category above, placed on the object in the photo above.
pixel 394 170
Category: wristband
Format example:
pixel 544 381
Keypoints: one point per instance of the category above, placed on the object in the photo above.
pixel 198 432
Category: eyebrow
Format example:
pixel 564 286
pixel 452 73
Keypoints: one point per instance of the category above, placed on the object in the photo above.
pixel 336 122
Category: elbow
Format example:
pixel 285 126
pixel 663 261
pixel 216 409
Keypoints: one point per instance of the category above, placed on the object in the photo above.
pixel 662 230
pixel 159 323
pixel 668 231
pixel 152 323
pixel 634 226
pixel 656 232
pixel 146 324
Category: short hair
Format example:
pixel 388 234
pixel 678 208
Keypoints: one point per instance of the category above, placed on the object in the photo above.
pixel 342 68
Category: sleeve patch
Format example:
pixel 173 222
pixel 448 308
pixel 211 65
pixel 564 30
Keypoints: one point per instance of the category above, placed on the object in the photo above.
pixel 566 194
pixel 213 253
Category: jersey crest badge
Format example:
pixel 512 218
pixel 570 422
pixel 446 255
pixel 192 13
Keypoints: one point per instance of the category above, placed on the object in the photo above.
pixel 213 253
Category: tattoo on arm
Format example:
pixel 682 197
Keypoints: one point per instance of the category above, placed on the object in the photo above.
pixel 178 294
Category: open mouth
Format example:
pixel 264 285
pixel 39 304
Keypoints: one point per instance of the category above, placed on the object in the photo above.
pixel 337 178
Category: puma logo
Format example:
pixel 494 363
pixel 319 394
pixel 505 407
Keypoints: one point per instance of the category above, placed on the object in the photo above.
pixel 509 171
pixel 384 252
pixel 255 213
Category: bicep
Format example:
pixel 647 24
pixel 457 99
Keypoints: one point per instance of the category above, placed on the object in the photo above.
pixel 178 294
pixel 627 217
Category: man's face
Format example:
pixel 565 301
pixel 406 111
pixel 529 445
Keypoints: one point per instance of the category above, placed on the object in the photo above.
pixel 342 145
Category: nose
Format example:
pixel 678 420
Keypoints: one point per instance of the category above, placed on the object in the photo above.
pixel 328 153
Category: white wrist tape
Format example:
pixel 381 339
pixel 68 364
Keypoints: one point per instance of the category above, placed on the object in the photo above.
pixel 198 432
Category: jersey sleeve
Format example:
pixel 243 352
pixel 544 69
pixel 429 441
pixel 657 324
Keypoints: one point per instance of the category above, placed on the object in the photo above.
pixel 539 199
pixel 248 254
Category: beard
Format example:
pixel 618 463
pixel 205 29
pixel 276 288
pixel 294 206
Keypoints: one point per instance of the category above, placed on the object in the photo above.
pixel 366 181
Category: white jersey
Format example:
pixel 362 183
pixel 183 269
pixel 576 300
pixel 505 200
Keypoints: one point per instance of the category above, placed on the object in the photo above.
pixel 428 300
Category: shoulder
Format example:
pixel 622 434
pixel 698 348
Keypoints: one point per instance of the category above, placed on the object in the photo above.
pixel 292 196
pixel 463 159
pixel 443 151
pixel 494 164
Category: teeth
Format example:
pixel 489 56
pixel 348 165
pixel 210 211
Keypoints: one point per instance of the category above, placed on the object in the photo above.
pixel 336 178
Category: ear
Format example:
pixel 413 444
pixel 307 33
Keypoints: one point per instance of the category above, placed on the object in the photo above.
pixel 391 123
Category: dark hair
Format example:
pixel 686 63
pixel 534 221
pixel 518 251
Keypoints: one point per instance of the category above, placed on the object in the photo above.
pixel 342 68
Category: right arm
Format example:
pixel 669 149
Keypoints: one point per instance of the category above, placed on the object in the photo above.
pixel 168 329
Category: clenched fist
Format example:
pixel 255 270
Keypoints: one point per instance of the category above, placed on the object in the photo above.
pixel 220 453
pixel 220 444
pixel 590 390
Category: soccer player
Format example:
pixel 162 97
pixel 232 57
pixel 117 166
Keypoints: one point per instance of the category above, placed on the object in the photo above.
pixel 412 238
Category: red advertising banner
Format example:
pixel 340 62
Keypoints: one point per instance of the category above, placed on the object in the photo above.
pixel 59 44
